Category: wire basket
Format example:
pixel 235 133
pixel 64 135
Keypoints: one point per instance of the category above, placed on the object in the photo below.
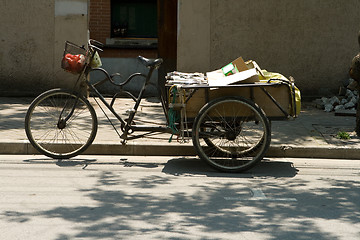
pixel 74 58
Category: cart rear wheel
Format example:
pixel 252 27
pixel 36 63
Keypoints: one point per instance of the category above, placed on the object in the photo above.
pixel 232 134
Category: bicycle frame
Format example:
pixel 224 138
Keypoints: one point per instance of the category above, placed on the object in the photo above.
pixel 126 126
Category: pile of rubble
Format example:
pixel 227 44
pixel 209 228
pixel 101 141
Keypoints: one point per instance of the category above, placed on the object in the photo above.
pixel 345 101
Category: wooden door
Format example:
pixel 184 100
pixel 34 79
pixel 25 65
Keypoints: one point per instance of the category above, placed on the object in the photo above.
pixel 167 40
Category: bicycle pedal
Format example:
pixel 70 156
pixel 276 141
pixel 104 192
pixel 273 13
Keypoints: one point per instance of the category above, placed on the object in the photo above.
pixel 132 123
pixel 124 136
pixel 129 111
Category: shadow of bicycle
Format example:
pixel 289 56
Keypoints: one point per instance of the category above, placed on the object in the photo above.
pixel 194 166
pixel 182 166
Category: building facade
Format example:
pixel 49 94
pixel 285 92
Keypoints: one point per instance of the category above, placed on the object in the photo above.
pixel 312 40
pixel 32 40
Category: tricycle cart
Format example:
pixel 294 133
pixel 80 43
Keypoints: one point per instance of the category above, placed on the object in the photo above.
pixel 229 125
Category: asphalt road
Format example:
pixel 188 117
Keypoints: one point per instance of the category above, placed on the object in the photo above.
pixel 135 197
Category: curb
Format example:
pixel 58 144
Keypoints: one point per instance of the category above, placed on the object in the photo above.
pixel 136 149
pixel 313 152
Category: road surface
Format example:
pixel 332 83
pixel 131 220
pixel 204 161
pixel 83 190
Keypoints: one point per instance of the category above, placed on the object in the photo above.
pixel 136 197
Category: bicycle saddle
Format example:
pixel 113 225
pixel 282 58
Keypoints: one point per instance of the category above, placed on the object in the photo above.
pixel 155 63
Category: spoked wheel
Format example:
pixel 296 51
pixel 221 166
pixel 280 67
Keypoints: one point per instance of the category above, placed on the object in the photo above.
pixel 60 125
pixel 232 134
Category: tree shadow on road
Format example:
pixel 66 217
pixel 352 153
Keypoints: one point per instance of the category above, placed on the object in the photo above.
pixel 159 207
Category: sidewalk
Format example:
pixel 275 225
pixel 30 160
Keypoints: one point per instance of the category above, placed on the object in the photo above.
pixel 311 135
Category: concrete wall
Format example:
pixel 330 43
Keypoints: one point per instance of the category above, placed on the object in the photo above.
pixel 312 40
pixel 194 43
pixel 32 43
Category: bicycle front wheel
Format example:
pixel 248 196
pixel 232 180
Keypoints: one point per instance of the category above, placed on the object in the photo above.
pixel 232 134
pixel 60 124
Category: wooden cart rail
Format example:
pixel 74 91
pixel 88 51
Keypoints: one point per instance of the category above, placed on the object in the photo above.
pixel 276 98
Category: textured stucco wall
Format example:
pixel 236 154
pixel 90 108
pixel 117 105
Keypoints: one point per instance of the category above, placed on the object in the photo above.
pixel 32 41
pixel 72 24
pixel 193 46
pixel 312 40
pixel 27 43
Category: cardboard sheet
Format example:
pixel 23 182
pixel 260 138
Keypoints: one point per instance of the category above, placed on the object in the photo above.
pixel 217 78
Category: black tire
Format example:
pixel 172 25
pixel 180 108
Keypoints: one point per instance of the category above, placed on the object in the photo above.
pixel 50 134
pixel 232 134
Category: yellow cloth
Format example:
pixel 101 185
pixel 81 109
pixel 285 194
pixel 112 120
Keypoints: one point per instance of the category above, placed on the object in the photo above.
pixel 295 92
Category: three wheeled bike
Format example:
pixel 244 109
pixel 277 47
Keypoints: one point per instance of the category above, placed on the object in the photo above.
pixel 229 124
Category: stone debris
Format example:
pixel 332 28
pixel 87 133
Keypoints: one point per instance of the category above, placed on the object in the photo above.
pixel 345 100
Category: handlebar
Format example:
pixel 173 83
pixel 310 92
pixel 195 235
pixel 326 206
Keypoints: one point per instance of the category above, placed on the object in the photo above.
pixel 93 44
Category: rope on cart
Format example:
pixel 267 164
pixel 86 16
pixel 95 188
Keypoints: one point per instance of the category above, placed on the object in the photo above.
pixel 174 118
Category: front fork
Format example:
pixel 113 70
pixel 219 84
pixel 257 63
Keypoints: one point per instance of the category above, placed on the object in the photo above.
pixel 62 121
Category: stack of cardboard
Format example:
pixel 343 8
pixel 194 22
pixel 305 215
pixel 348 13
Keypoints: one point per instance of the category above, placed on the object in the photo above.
pixel 234 73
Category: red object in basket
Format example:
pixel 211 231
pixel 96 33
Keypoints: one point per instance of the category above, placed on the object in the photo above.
pixel 73 63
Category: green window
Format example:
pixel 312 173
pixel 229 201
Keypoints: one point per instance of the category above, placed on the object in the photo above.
pixel 134 18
